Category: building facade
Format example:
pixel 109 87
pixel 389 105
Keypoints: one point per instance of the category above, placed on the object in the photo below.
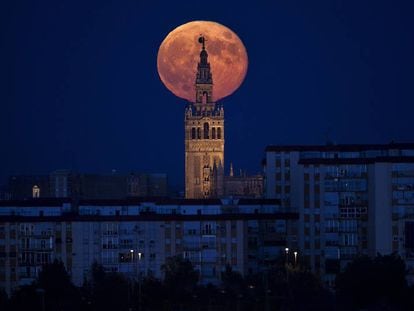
pixel 68 184
pixel 29 186
pixel 243 185
pixel 204 137
pixel 134 237
pixel 351 200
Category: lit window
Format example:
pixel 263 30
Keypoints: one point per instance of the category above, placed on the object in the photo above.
pixel 35 191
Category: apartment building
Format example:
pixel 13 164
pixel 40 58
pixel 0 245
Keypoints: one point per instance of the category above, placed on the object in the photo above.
pixel 135 236
pixel 351 200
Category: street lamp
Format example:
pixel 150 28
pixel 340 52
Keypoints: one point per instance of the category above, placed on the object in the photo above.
pixel 287 264
pixel 296 258
pixel 139 281
pixel 287 254
pixel 130 291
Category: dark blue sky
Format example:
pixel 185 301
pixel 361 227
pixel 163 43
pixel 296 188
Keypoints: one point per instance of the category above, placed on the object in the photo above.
pixel 79 87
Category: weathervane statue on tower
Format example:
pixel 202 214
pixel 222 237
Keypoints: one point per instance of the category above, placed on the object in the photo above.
pixel 202 41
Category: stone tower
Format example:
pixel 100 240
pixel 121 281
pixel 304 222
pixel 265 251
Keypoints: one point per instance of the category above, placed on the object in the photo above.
pixel 204 137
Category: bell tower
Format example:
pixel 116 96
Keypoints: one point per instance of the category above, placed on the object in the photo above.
pixel 204 136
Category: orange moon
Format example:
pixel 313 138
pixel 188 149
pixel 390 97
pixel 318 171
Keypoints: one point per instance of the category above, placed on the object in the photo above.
pixel 179 55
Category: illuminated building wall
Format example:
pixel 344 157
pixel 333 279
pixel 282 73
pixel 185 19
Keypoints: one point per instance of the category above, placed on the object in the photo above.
pixel 351 200
pixel 243 186
pixel 134 237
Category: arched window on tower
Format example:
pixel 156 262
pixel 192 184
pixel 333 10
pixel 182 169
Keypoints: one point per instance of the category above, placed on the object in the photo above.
pixel 213 133
pixel 219 133
pixel 206 129
pixel 205 98
pixel 198 133
pixel 193 133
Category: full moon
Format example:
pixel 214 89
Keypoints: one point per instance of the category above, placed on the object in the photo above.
pixel 179 55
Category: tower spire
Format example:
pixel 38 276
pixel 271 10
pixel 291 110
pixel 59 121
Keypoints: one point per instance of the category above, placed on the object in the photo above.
pixel 202 40
pixel 204 78
pixel 203 68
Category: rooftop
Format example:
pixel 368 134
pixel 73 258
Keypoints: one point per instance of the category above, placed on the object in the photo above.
pixel 54 202
pixel 341 147
pixel 336 161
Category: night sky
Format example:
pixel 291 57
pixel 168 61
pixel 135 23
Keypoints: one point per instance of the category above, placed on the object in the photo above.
pixel 79 87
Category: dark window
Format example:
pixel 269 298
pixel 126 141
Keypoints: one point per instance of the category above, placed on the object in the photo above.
pixel 206 130
pixel 193 133
pixel 205 97
pixel 409 235
pixel 198 133
pixel 213 133
pixel 219 133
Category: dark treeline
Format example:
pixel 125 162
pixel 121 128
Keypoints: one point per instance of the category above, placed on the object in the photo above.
pixel 366 284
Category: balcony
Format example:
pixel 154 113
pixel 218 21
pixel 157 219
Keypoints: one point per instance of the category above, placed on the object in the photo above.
pixel 191 247
pixel 109 246
pixel 208 232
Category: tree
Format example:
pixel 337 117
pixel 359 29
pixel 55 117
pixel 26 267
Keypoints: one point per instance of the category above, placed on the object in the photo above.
pixel 26 298
pixel 109 291
pixel 233 287
pixel 55 287
pixel 233 282
pixel 367 283
pixel 3 300
pixel 153 294
pixel 179 271
pixel 180 279
pixel 307 292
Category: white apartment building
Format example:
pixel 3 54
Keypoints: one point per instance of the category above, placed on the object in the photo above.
pixel 351 200
pixel 134 237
